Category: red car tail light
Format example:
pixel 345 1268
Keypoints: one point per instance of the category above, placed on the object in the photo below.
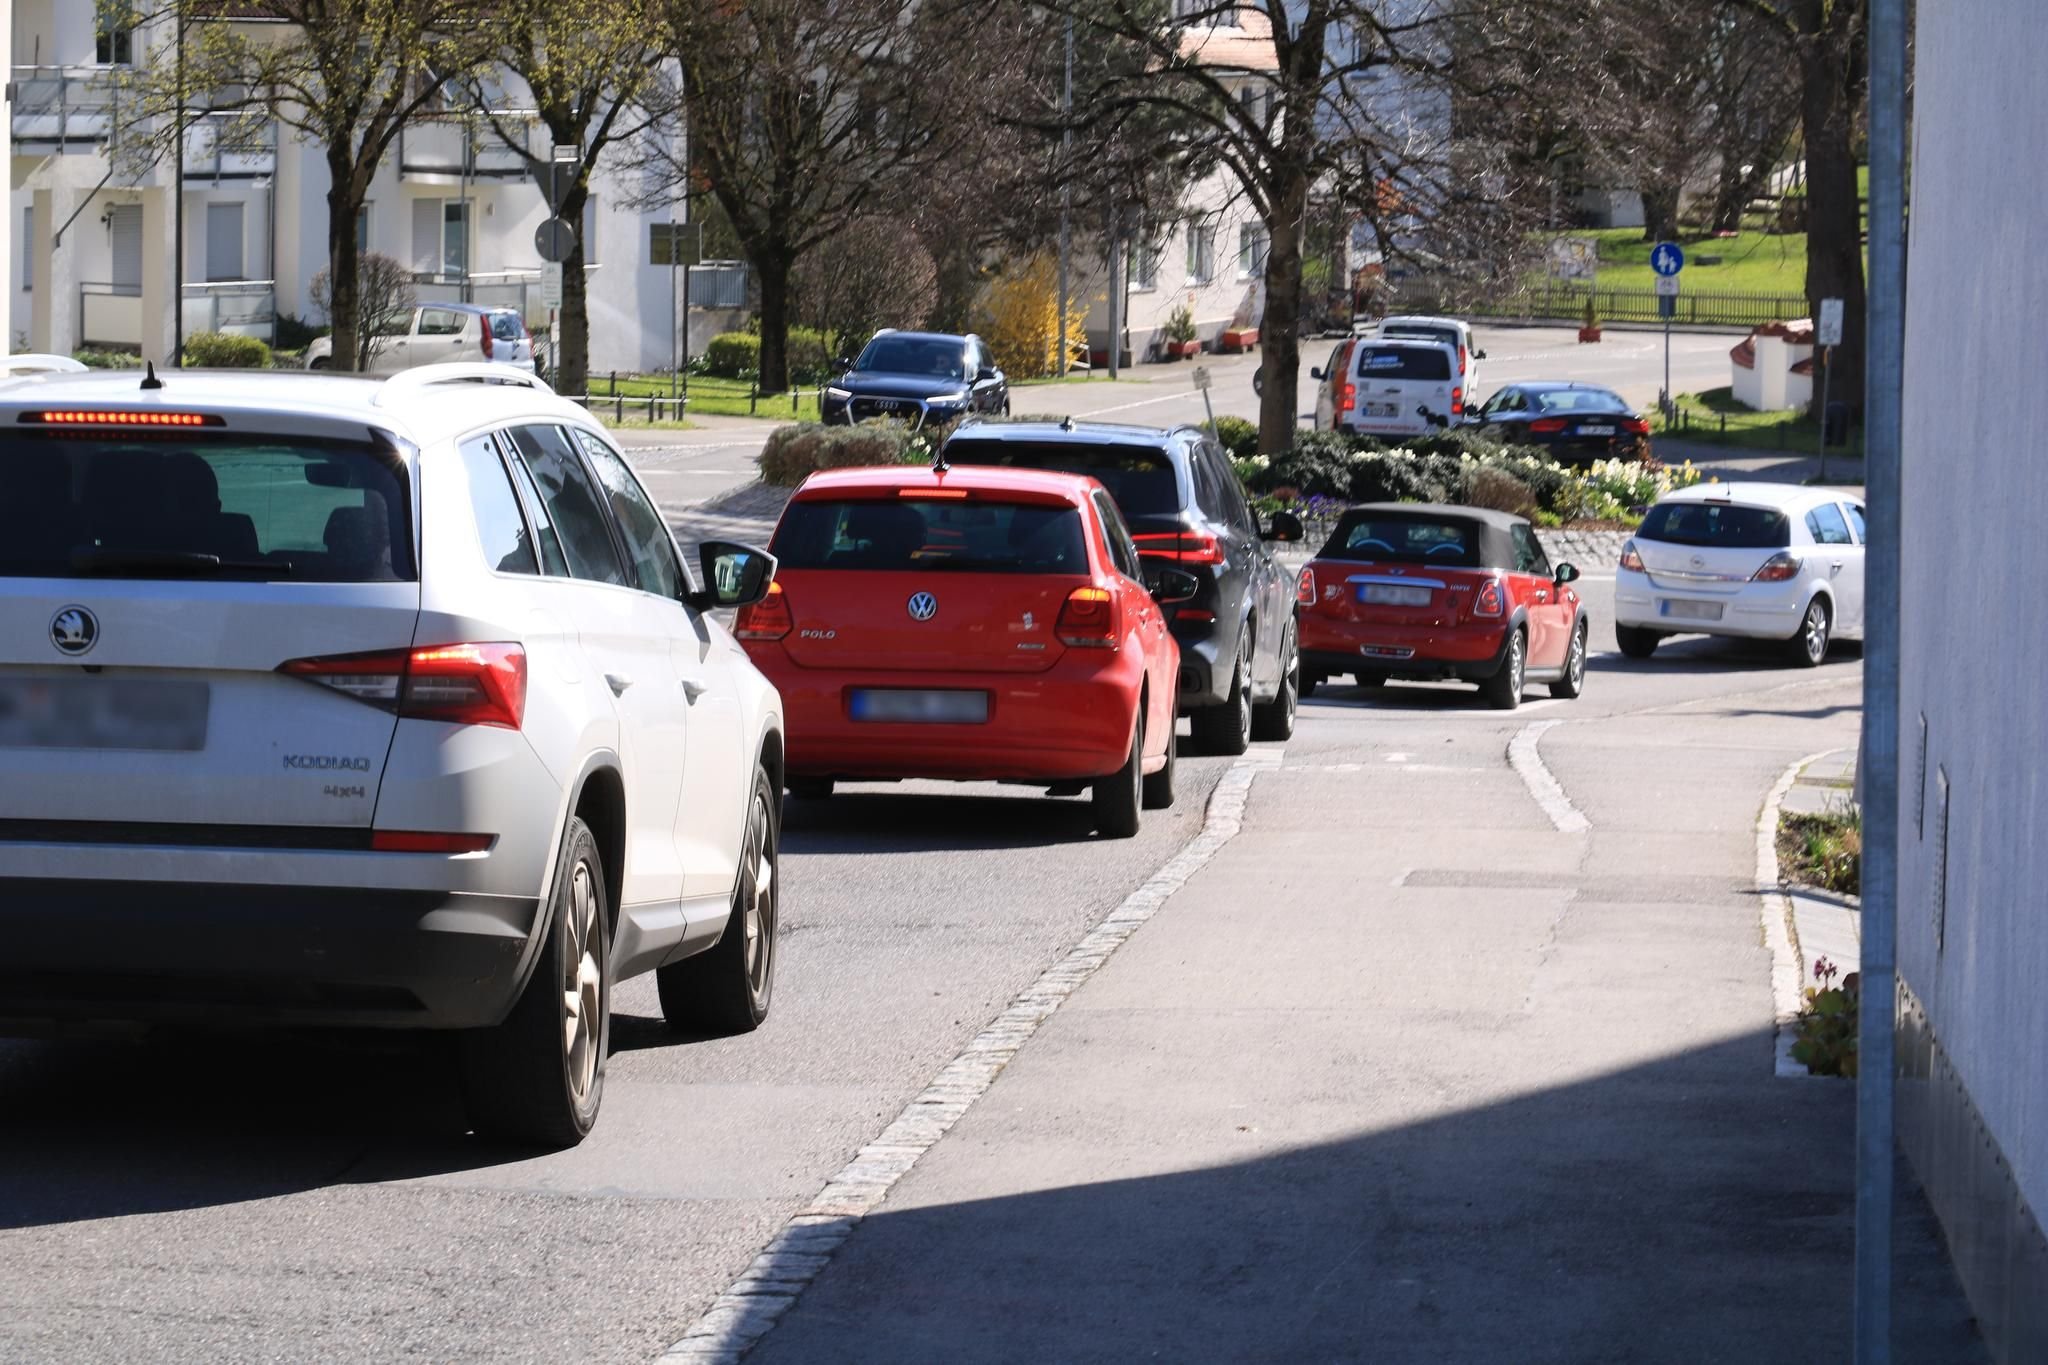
pixel 464 684
pixel 1305 586
pixel 1491 599
pixel 421 841
pixel 1182 547
pixel 1636 426
pixel 1547 426
pixel 1089 619
pixel 1630 560
pixel 1779 568
pixel 767 619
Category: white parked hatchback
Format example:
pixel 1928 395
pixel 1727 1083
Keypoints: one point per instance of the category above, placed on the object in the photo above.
pixel 1761 561
pixel 391 704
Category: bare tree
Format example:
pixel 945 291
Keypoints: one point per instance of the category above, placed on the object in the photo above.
pixel 875 273
pixel 385 299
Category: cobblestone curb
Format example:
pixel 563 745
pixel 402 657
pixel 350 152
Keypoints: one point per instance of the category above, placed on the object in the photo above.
pixel 1593 552
pixel 794 1257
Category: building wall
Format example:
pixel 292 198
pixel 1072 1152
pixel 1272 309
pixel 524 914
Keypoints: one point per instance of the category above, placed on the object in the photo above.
pixel 1232 296
pixel 1974 640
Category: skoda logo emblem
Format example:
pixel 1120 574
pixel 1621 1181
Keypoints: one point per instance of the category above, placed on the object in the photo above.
pixel 923 606
pixel 74 631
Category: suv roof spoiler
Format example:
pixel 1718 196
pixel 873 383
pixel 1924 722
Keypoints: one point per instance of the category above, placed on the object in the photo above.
pixel 458 372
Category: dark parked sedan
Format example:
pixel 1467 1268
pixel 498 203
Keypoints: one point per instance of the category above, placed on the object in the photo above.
pixel 1576 423
pixel 919 378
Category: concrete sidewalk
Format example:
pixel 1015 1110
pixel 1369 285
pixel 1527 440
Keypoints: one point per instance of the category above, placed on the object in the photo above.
pixel 1416 1069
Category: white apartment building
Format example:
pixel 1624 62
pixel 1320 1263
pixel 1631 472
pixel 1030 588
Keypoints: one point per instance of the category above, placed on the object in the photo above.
pixel 94 241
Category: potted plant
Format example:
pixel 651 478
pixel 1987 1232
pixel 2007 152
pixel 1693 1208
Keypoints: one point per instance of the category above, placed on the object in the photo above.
pixel 1181 341
pixel 1591 330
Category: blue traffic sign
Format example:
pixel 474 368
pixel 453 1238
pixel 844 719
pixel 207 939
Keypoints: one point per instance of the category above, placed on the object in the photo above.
pixel 1668 258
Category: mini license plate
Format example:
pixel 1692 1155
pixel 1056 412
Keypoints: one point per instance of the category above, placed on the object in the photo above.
pixel 1601 430
pixel 1387 595
pixel 102 713
pixel 904 705
pixel 1678 609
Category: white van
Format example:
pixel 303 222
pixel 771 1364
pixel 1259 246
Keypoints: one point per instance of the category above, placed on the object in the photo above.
pixel 1378 386
pixel 1450 331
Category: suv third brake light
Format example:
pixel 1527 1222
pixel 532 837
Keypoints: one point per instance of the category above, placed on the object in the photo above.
pixel 1089 619
pixel 1181 547
pixel 463 684
pixel 767 619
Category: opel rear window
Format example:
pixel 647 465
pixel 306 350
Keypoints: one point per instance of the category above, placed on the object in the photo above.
pixel 1140 478
pixel 1444 541
pixel 1403 362
pixel 966 536
pixel 190 506
pixel 1722 526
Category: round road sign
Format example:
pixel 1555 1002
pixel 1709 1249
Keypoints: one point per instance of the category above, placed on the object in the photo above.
pixel 554 239
pixel 1668 258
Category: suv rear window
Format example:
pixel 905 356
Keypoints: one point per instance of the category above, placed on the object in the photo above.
pixel 1403 362
pixel 192 506
pixel 1140 478
pixel 507 327
pixel 1443 541
pixel 1447 335
pixel 1720 525
pixel 957 537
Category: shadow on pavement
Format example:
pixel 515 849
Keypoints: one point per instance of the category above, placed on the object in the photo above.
pixel 1688 1209
pixel 878 820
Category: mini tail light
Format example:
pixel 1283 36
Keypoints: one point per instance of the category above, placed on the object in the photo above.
pixel 465 684
pixel 1181 547
pixel 767 619
pixel 1779 568
pixel 424 841
pixel 1088 620
pixel 1490 600
pixel 1305 586
pixel 1630 560
pixel 1547 426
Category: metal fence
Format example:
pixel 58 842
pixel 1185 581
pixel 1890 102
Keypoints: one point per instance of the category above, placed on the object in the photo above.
pixel 1568 302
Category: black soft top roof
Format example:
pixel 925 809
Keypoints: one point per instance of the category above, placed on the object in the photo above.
pixel 1496 529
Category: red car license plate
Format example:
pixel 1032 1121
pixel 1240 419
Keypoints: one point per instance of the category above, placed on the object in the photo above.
pixel 918 707
pixel 1387 595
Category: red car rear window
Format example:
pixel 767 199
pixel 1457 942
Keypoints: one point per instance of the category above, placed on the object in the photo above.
pixel 962 537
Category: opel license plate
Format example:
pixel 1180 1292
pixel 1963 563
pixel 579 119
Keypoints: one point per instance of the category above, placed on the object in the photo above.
pixel 1678 609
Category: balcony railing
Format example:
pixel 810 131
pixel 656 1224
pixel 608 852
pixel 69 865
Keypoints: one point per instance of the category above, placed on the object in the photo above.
pixel 56 107
pixel 456 148
pixel 245 307
pixel 109 314
pixel 518 289
pixel 230 146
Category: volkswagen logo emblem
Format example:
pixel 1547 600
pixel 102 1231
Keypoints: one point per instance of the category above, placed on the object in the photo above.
pixel 923 606
pixel 74 631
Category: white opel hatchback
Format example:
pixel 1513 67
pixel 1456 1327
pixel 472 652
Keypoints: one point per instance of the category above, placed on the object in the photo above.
pixel 1763 561
pixel 344 702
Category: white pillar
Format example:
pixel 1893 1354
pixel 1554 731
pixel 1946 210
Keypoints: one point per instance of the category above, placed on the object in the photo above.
pixel 6 205
pixel 54 302
pixel 159 300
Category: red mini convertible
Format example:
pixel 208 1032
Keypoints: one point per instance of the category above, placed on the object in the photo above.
pixel 974 624
pixel 1408 590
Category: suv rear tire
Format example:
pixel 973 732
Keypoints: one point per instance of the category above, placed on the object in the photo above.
pixel 1227 729
pixel 539 1076
pixel 1274 720
pixel 728 988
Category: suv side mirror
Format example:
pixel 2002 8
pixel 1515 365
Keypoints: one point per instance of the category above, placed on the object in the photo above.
pixel 846 364
pixel 1286 527
pixel 735 575
pixel 1567 573
pixel 1173 585
pixel 985 373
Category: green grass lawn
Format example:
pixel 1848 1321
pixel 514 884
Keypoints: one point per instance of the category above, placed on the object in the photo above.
pixel 709 396
pixel 1715 418
pixel 1751 262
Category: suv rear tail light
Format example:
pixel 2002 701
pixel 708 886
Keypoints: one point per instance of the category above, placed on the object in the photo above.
pixel 767 619
pixel 1182 547
pixel 466 684
pixel 1779 568
pixel 1547 425
pixel 1490 600
pixel 1089 619
pixel 1305 586
pixel 1630 560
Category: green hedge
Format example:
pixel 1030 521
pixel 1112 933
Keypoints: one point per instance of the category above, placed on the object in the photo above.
pixel 226 351
pixel 795 452
pixel 1239 436
pixel 732 354
pixel 737 355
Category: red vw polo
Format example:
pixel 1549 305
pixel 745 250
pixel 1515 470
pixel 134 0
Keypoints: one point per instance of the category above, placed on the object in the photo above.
pixel 972 624
pixel 1409 590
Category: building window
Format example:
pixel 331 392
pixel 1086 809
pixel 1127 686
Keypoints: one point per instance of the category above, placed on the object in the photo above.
pixel 363 228
pixel 1257 102
pixel 440 238
pixel 1251 251
pixel 28 248
pixel 1201 253
pixel 114 44
pixel 1145 263
pixel 224 242
pixel 589 230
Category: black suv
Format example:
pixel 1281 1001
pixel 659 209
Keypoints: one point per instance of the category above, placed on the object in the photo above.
pixel 1240 658
pixel 917 377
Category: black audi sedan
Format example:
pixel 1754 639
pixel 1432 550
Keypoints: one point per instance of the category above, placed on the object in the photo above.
pixel 918 377
pixel 1577 423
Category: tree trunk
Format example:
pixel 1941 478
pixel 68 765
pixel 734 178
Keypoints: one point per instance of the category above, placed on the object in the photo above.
pixel 1834 228
pixel 773 269
pixel 572 366
pixel 1660 212
pixel 1280 329
pixel 344 262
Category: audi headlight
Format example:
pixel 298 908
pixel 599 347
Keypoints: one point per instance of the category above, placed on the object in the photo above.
pixel 841 394
pixel 942 400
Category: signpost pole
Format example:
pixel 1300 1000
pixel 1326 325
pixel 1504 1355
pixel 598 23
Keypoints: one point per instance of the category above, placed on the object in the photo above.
pixel 1827 355
pixel 1201 377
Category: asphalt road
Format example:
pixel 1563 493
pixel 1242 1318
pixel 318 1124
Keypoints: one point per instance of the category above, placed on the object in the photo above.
pixel 276 1197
